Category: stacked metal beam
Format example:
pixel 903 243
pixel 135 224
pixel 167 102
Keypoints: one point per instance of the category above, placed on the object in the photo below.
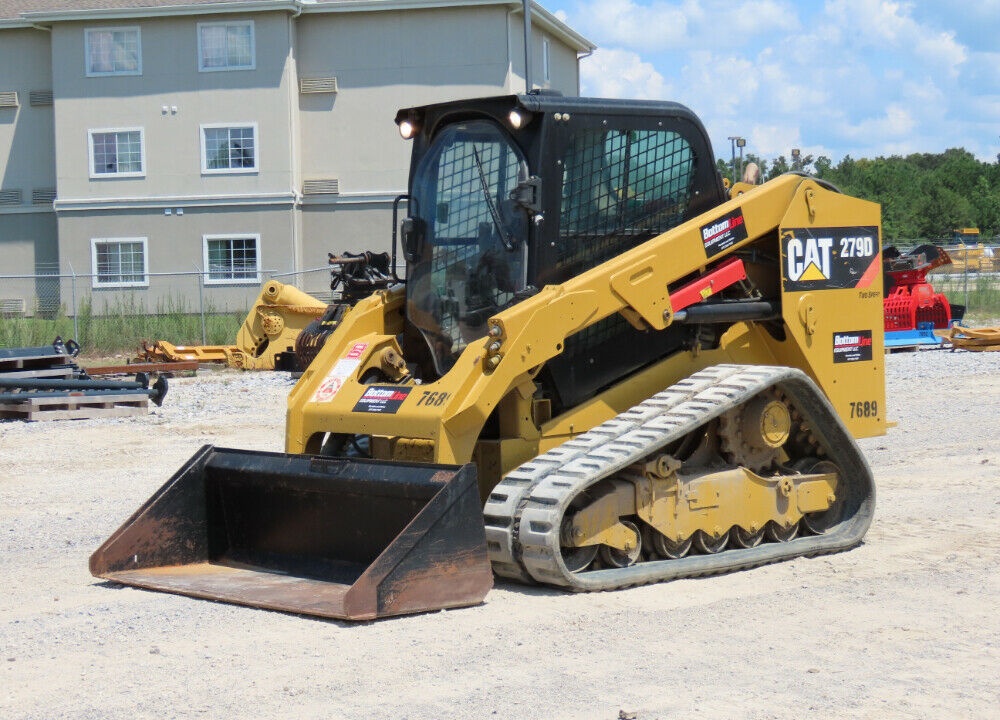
pixel 45 383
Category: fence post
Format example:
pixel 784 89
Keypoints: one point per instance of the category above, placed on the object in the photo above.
pixel 76 312
pixel 965 276
pixel 201 303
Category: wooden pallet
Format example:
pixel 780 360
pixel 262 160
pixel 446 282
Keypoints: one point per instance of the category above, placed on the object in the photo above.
pixel 57 372
pixel 75 407
pixel 9 363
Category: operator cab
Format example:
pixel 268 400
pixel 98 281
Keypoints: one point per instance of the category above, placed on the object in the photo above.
pixel 512 193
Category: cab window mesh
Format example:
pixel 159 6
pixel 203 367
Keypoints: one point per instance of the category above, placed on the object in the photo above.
pixel 466 272
pixel 620 188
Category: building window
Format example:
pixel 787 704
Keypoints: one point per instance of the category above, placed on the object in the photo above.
pixel 226 46
pixel 119 262
pixel 113 51
pixel 232 259
pixel 229 148
pixel 117 153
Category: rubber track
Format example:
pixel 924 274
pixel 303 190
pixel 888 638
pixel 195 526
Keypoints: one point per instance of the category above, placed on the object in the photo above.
pixel 524 512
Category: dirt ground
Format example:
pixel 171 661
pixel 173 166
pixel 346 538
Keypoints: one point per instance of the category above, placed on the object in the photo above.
pixel 905 626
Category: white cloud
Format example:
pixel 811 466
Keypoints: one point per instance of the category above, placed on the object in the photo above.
pixel 624 23
pixel 864 77
pixel 872 21
pixel 984 70
pixel 926 99
pixel 880 24
pixel 660 25
pixel 896 124
pixel 754 17
pixel 615 73
pixel 719 93
pixel 771 140
pixel 941 50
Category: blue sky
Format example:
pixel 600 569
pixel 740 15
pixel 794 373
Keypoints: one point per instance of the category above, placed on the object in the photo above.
pixel 831 77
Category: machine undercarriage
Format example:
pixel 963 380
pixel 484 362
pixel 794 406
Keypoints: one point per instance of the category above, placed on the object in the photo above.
pixel 733 467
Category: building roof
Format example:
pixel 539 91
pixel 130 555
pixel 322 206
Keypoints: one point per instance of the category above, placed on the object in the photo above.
pixel 26 13
pixel 16 9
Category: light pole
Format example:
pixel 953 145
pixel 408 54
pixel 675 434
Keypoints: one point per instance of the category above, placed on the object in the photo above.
pixel 735 141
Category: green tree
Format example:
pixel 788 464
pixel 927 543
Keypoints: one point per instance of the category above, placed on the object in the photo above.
pixel 923 195
pixel 822 166
pixel 940 210
pixel 779 166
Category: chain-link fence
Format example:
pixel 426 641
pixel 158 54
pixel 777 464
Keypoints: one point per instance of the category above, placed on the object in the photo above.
pixel 188 307
pixel 184 307
pixel 314 281
pixel 971 279
pixel 47 294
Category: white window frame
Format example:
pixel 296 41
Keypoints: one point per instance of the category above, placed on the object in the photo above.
pixel 95 279
pixel 227 68
pixel 94 175
pixel 209 280
pixel 230 171
pixel 86 51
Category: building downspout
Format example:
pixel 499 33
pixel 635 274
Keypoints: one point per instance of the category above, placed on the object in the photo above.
pixel 298 262
pixel 580 57
pixel 526 5
pixel 510 55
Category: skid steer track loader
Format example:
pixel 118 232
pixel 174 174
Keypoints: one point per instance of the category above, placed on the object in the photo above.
pixel 605 368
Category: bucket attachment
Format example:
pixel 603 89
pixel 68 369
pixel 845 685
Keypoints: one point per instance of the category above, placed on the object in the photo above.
pixel 333 537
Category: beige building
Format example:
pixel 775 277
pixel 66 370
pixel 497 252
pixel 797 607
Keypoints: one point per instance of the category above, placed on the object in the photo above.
pixel 228 139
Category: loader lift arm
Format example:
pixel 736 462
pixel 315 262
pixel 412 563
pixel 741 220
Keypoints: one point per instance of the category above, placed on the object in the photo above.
pixel 636 283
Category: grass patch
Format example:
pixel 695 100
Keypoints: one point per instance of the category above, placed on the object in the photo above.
pixel 123 325
pixel 979 293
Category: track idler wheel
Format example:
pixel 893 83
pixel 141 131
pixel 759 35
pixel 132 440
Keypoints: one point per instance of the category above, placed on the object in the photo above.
pixel 580 558
pixel 780 533
pixel 746 539
pixel 613 557
pixel 577 559
pixel 665 547
pixel 709 545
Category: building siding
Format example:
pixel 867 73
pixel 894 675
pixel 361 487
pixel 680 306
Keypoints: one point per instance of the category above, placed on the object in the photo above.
pixel 28 238
pixel 171 80
pixel 344 142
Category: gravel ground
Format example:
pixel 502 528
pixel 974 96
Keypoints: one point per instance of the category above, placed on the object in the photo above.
pixel 904 626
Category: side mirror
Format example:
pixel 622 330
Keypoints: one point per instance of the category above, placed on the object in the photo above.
pixel 412 230
pixel 528 194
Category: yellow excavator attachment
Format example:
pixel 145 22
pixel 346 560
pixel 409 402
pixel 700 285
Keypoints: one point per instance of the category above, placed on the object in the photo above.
pixel 268 333
pixel 331 537
pixel 977 339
